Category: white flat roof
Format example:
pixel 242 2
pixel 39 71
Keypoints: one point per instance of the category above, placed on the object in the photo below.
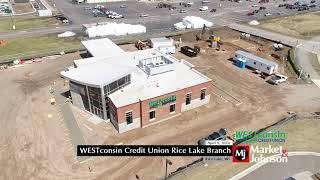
pixel 100 71
pixel 144 87
pixel 102 47
pixel 163 41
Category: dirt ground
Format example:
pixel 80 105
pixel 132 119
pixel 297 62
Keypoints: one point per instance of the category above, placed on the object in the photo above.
pixel 303 26
pixel 33 146
pixel 19 8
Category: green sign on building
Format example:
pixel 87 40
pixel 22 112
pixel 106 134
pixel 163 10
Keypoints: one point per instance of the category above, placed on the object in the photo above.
pixel 162 101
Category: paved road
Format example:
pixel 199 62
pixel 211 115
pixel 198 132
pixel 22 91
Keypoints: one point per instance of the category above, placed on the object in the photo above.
pixel 40 4
pixel 40 31
pixel 296 164
pixel 312 45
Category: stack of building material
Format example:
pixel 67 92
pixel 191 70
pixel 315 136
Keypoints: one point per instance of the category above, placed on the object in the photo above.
pixel 114 29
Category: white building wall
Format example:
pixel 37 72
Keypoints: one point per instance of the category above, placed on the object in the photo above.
pixel 195 103
pixel 124 127
pixel 167 49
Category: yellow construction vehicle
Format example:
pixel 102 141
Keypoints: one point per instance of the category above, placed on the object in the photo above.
pixel 140 45
pixel 215 41
pixel 215 38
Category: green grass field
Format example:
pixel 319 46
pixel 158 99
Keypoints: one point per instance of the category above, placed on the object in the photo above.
pixel 305 26
pixel 302 135
pixel 26 23
pixel 37 46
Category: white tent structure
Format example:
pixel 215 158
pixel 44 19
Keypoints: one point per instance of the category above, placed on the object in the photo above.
pixel 114 29
pixel 192 22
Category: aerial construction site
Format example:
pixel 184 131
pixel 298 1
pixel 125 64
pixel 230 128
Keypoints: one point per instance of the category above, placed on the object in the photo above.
pixel 159 87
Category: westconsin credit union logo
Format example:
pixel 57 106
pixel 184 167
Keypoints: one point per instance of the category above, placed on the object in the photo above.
pixel 253 136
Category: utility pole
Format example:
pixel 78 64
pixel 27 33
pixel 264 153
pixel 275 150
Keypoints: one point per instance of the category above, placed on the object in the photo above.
pixel 170 163
pixel 12 21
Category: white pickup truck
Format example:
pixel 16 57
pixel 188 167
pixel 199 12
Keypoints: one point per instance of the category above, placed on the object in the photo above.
pixel 204 8
pixel 277 79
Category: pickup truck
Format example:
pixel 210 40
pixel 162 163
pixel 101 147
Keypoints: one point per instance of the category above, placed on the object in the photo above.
pixel 215 136
pixel 277 79
pixel 204 8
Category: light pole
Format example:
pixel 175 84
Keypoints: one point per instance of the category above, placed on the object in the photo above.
pixel 170 163
pixel 12 21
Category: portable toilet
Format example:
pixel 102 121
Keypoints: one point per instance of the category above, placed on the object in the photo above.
pixel 241 63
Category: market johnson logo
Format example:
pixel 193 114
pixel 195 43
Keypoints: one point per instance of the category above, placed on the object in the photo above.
pixel 240 153
pixel 255 154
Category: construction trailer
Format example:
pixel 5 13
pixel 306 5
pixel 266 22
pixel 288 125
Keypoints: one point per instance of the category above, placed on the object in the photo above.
pixel 164 45
pixel 256 62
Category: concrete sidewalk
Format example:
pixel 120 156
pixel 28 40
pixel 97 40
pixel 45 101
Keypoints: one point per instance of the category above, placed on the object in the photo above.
pixel 71 124
pixel 309 64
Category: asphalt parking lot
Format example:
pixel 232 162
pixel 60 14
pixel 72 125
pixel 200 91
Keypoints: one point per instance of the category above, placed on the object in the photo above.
pixel 41 6
pixel 162 19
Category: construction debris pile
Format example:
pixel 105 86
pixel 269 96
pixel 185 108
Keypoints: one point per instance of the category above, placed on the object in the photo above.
pixel 114 29
pixel 192 22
